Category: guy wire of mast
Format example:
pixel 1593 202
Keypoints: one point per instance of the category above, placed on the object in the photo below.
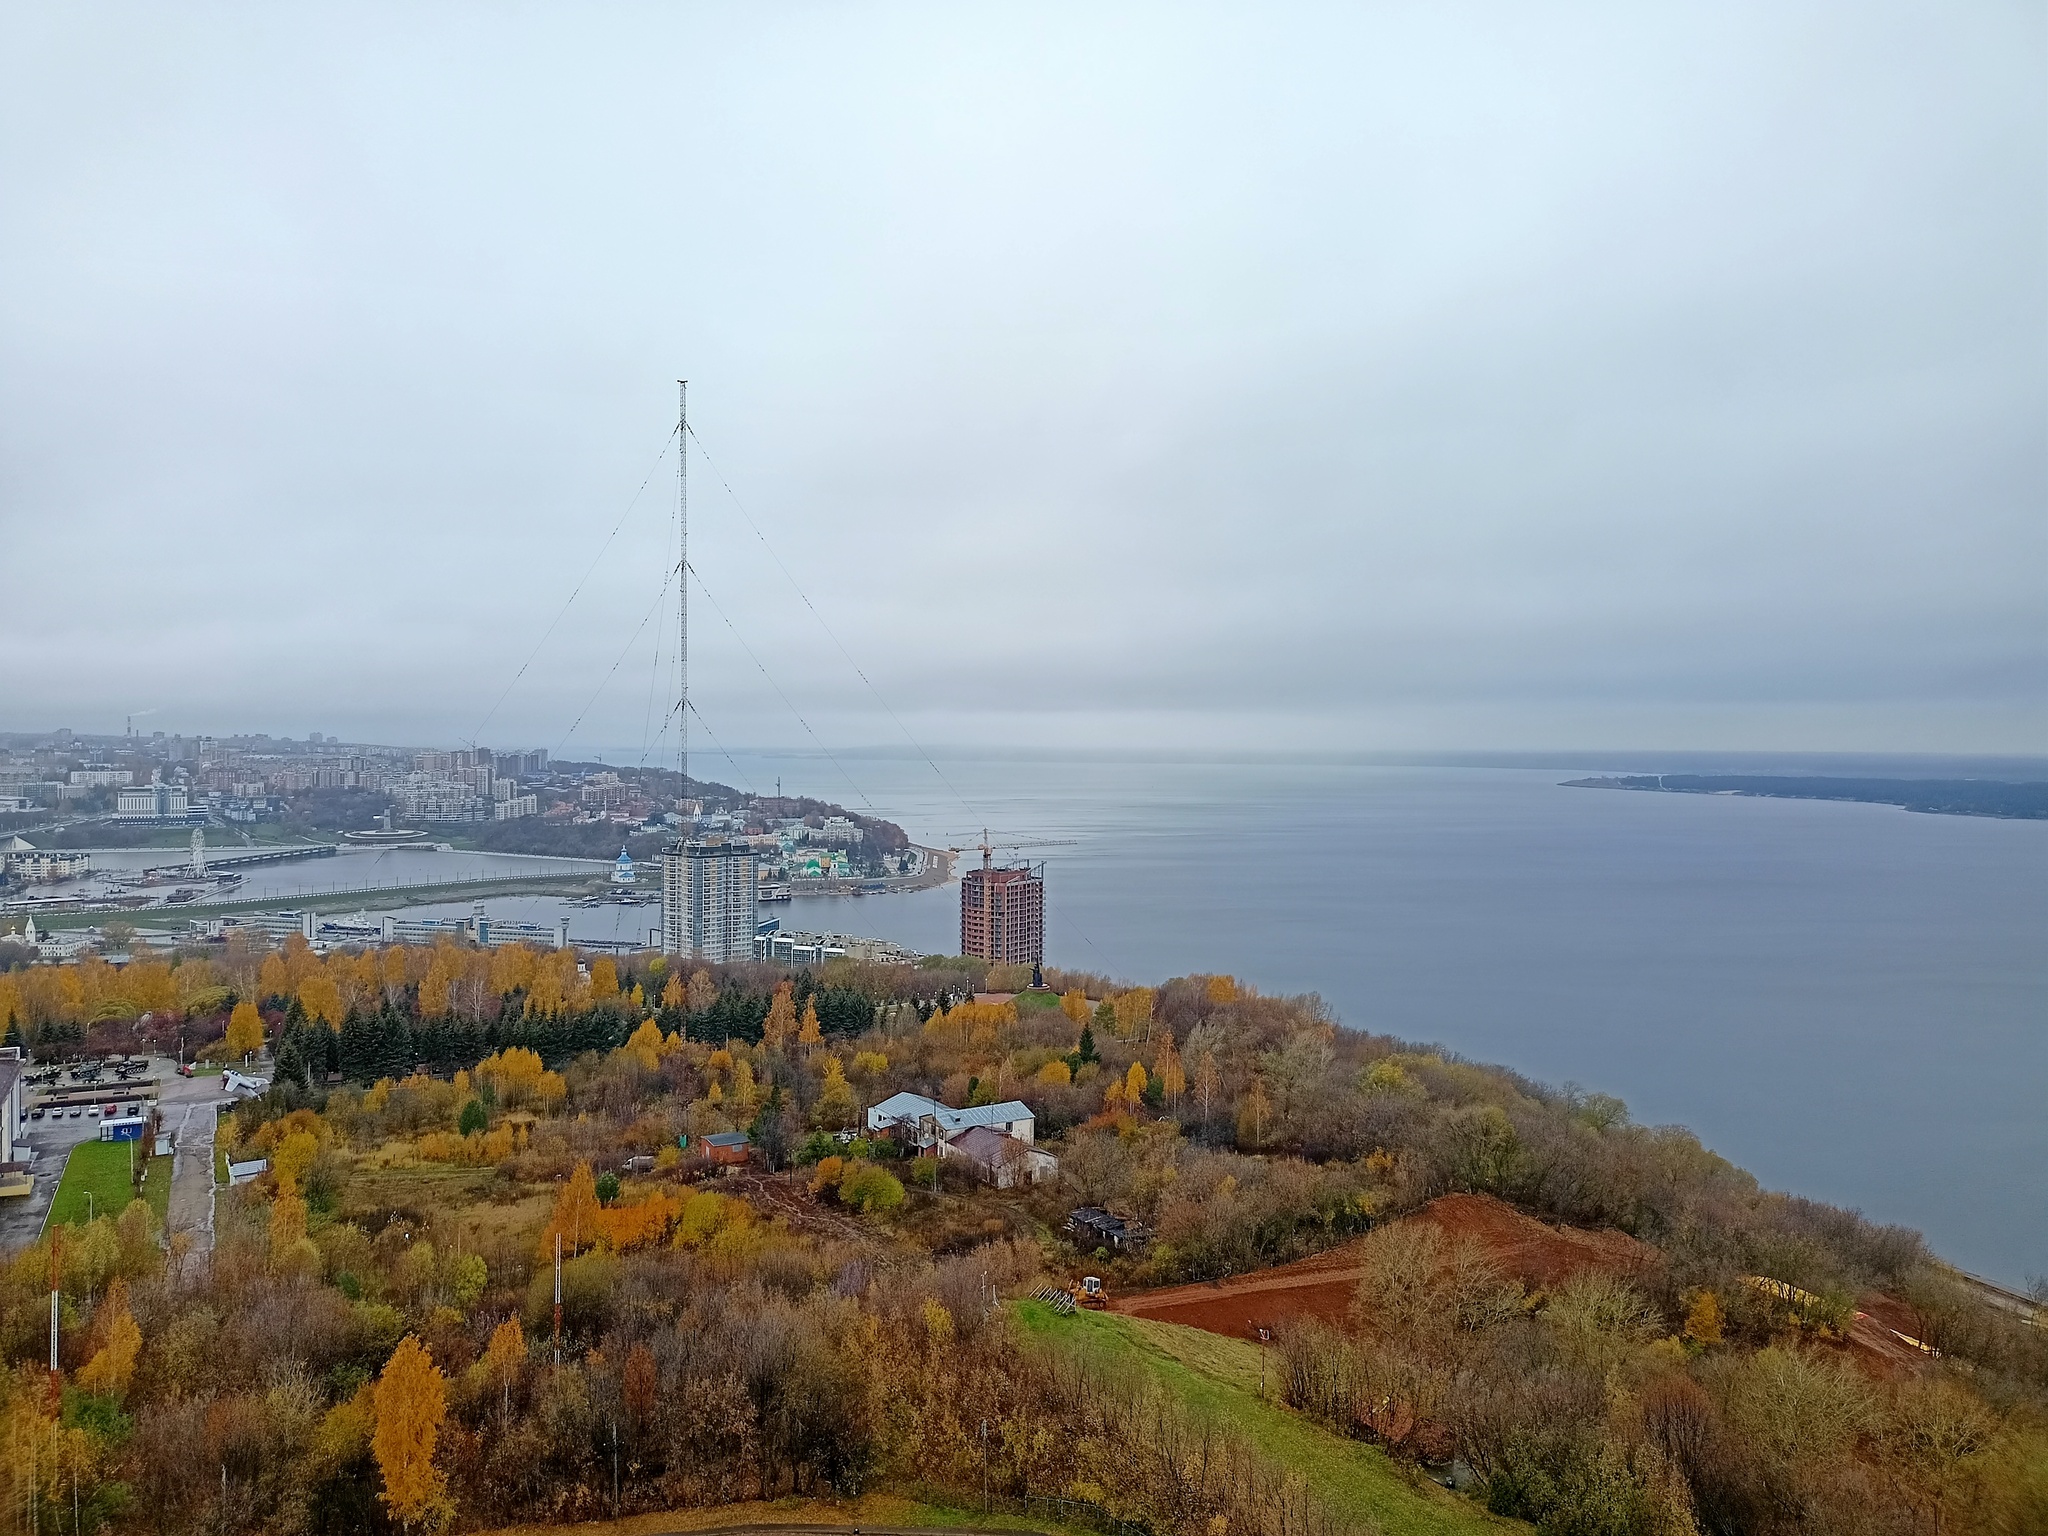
pixel 683 584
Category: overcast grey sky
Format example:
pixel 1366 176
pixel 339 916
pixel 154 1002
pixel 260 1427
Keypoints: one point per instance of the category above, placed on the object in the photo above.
pixel 1359 377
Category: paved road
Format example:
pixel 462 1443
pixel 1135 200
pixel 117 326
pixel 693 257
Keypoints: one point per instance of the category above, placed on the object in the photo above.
pixel 188 1111
pixel 191 1209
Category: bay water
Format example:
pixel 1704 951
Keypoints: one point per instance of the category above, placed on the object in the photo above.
pixel 1849 1000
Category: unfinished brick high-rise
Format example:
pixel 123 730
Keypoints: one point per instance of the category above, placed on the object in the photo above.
pixel 1002 915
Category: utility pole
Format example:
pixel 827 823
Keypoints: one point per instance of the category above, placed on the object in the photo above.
pixel 558 1298
pixel 56 1275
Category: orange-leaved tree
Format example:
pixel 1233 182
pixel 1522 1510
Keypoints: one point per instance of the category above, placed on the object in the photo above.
pixel 810 1034
pixel 411 1400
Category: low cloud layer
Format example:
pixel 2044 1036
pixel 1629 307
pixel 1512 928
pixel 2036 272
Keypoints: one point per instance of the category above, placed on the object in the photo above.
pixel 1435 377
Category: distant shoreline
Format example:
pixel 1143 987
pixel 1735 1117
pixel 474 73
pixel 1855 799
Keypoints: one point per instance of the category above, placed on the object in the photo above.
pixel 1997 798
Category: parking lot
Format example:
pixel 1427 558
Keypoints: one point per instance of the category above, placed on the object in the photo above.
pixel 188 1113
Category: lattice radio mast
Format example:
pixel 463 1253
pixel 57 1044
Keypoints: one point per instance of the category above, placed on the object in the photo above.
pixel 683 582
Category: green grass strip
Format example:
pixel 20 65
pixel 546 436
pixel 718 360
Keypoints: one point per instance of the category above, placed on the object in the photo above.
pixel 98 1168
pixel 1220 1378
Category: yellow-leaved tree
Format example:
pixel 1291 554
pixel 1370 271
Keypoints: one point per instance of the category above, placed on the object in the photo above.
pixel 575 1216
pixel 1253 1111
pixel 1074 1004
pixel 604 980
pixel 701 993
pixel 1133 1011
pixel 113 1363
pixel 1222 989
pixel 320 996
pixel 245 1029
pixel 411 1401
pixel 274 977
pixel 646 1045
pixel 835 1108
pixel 1173 1077
pixel 781 1018
pixel 504 1358
pixel 672 993
pixel 810 1034
pixel 1135 1082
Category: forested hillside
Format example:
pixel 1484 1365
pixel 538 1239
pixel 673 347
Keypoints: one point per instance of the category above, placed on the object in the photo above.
pixel 369 1338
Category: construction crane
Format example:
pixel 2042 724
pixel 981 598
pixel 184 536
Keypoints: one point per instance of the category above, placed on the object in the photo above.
pixel 988 848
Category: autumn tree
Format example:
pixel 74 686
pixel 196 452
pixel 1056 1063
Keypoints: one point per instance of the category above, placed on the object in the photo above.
pixel 781 1018
pixel 835 1107
pixel 320 996
pixel 411 1401
pixel 637 1385
pixel 1173 1079
pixel 1253 1111
pixel 1074 1004
pixel 672 994
pixel 113 1363
pixel 1222 989
pixel 504 1357
pixel 810 1034
pixel 604 980
pixel 1208 1082
pixel 1702 1318
pixel 287 1225
pixel 575 1216
pixel 1132 1011
pixel 1136 1081
pixel 245 1029
pixel 701 993
pixel 646 1045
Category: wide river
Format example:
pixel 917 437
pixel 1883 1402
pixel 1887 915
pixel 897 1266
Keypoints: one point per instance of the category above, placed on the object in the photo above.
pixel 1849 1000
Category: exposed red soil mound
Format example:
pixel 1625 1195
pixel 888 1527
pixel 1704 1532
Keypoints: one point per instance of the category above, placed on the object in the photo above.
pixel 1321 1287
pixel 1538 1255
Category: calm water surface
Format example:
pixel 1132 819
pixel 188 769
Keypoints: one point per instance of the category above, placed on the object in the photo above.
pixel 1849 1000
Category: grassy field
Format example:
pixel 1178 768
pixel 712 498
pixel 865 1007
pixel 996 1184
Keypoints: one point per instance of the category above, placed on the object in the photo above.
pixel 101 1169
pixel 156 1186
pixel 1220 1377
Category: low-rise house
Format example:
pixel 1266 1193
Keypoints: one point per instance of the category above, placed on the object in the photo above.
pixel 917 1121
pixel 1000 1159
pixel 728 1149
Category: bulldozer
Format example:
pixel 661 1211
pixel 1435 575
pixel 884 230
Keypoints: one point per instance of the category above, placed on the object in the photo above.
pixel 1091 1293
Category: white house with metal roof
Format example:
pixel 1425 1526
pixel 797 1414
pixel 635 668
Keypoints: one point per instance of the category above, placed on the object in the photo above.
pixel 924 1121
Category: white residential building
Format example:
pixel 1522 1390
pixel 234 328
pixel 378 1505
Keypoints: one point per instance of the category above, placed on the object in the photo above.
pixel 925 1121
pixel 708 900
pixel 151 802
